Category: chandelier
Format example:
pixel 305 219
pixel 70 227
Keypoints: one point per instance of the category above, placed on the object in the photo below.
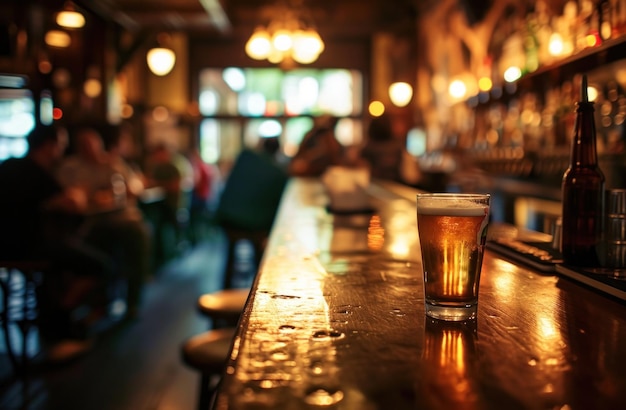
pixel 289 37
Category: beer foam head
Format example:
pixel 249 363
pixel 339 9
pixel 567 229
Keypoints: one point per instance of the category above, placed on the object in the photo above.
pixel 450 206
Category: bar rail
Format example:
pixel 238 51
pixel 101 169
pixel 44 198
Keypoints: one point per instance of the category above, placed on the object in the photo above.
pixel 336 319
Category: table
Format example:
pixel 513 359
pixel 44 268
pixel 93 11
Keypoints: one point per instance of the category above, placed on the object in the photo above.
pixel 336 320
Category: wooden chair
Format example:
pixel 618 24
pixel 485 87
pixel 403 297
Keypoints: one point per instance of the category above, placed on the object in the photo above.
pixel 19 282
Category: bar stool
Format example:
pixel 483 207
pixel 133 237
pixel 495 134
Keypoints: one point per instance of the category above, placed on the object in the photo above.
pixel 257 239
pixel 19 280
pixel 224 306
pixel 208 353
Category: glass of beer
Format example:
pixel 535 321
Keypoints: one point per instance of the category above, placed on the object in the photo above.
pixel 452 231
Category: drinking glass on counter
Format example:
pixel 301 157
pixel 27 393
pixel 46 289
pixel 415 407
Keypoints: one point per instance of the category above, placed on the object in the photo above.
pixel 452 230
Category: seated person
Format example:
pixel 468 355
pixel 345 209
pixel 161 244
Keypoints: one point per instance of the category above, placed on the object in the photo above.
pixel 248 203
pixel 383 151
pixel 165 167
pixel 31 215
pixel 89 168
pixel 119 230
pixel 318 150
pixel 128 224
pixel 204 176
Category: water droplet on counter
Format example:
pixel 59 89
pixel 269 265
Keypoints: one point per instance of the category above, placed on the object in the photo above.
pixel 266 384
pixel 323 397
pixel 327 334
pixel 280 356
pixel 317 367
pixel 397 312
pixel 285 297
pixel 339 321
pixel 287 328
pixel 261 364
pixel 346 309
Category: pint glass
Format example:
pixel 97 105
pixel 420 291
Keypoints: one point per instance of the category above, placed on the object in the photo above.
pixel 452 232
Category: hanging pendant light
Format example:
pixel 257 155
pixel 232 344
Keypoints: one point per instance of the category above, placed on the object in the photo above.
pixel 259 44
pixel 307 46
pixel 400 94
pixel 69 17
pixel 161 60
pixel 57 38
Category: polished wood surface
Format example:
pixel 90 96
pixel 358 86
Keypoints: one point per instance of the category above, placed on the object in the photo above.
pixel 336 319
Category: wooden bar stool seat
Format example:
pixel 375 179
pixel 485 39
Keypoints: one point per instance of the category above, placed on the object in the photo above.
pixel 223 307
pixel 208 353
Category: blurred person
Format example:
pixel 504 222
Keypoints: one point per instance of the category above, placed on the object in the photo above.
pixel 116 224
pixel 248 204
pixel 270 146
pixel 33 215
pixel 205 177
pixel 165 167
pixel 318 150
pixel 88 168
pixel 129 223
pixel 117 144
pixel 382 150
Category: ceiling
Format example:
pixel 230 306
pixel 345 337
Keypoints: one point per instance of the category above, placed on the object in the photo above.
pixel 225 17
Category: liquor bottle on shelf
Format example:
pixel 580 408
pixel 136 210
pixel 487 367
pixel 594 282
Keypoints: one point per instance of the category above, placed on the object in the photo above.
pixel 584 24
pixel 605 19
pixel 583 191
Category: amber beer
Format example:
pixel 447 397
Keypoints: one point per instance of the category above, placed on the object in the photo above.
pixel 452 230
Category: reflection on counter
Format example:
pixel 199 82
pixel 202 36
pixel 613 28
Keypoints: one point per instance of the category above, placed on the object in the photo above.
pixel 450 352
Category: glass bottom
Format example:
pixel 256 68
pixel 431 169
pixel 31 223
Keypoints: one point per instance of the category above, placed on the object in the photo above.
pixel 452 313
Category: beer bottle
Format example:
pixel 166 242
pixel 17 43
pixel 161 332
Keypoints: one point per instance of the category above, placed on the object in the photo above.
pixel 583 191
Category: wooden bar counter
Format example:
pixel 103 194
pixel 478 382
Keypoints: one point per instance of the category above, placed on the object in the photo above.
pixel 336 320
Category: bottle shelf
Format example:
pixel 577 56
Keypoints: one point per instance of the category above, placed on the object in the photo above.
pixel 560 71
pixel 588 59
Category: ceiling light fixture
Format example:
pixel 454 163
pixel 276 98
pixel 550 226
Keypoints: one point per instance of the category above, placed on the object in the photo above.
pixel 57 38
pixel 161 59
pixel 69 17
pixel 289 38
pixel 400 94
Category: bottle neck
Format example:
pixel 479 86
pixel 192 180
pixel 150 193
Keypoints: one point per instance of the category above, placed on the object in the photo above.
pixel 584 144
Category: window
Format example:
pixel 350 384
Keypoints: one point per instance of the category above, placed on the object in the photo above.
pixel 242 105
pixel 17 119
